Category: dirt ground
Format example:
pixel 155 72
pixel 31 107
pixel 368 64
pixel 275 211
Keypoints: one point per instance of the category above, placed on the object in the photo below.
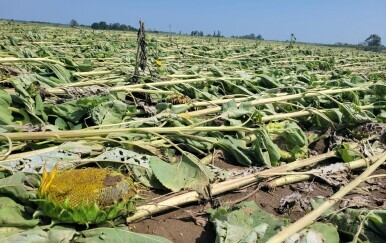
pixel 190 223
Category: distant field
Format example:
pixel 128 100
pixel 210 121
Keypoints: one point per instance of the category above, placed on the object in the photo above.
pixel 207 115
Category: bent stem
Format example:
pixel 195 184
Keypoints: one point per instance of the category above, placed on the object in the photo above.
pixel 80 134
pixel 289 179
pixel 38 60
pixel 280 98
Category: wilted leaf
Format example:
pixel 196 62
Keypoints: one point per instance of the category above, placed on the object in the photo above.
pixel 348 154
pixel 232 110
pixel 268 82
pixel 228 233
pixel 333 116
pixel 328 231
pixel 216 71
pixel 74 110
pixel 294 135
pixel 34 235
pixel 63 75
pixel 237 149
pixel 195 145
pixel 117 235
pixel 14 187
pixel 352 114
pixel 86 66
pixel 174 176
pixel 292 200
pixel 379 89
pixel 218 174
pixel 334 174
pixel 109 112
pixel 246 223
pixel 66 152
pixel 264 149
pixel 349 221
pixel 6 117
pixel 61 234
pixel 27 88
pixel 13 214
pixel 138 164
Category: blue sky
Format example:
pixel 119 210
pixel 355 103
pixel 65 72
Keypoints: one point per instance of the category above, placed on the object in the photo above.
pixel 318 21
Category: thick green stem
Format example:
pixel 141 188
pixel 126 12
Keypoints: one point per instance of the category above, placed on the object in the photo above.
pixel 79 134
pixel 106 81
pixel 93 73
pixel 289 179
pixel 14 59
pixel 295 114
pixel 277 99
pixel 59 91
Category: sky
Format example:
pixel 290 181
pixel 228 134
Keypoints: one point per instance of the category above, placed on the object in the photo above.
pixel 314 21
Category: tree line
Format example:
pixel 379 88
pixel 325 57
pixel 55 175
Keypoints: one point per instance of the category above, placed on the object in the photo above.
pixel 250 36
pixel 201 33
pixel 372 43
pixel 102 25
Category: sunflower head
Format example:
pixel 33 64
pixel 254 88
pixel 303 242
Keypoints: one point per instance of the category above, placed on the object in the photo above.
pixel 86 196
pixel 178 99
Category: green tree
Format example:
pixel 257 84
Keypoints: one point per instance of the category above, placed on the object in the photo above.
pixel 373 40
pixel 95 26
pixel 74 23
pixel 103 25
pixel 373 43
pixel 197 33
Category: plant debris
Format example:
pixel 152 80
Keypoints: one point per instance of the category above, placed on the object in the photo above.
pixel 132 124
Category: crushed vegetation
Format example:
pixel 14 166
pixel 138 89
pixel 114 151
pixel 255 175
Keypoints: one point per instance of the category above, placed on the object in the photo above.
pixel 221 139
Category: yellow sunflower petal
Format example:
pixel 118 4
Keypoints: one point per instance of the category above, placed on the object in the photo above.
pixel 159 63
